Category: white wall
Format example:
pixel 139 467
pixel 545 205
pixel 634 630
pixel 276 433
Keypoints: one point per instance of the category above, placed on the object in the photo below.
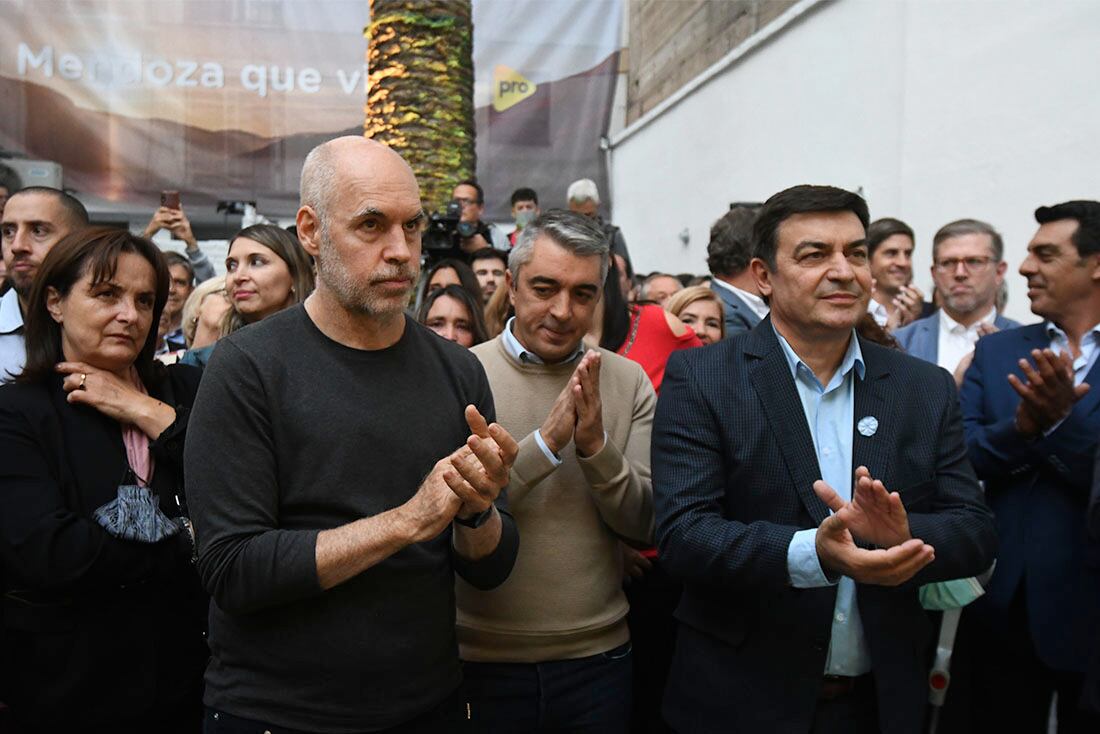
pixel 938 109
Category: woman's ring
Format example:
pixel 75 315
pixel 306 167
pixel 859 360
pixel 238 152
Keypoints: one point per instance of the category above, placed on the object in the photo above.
pixel 83 377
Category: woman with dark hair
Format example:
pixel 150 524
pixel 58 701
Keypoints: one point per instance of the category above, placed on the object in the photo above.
pixel 103 613
pixel 452 313
pixel 266 270
pixel 449 272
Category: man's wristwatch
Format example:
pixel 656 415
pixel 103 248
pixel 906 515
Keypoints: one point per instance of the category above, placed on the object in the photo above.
pixel 475 521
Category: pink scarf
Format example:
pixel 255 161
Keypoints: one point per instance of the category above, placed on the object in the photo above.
pixel 137 443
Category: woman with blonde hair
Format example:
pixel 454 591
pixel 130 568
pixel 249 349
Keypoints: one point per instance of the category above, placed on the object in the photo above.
pixel 266 270
pixel 203 313
pixel 700 308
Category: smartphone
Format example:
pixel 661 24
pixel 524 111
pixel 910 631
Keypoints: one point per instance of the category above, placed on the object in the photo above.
pixel 170 199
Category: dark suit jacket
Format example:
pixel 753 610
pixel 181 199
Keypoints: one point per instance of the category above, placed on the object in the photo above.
pixel 1090 698
pixel 739 315
pixel 733 472
pixel 922 337
pixel 1038 491
pixel 95 627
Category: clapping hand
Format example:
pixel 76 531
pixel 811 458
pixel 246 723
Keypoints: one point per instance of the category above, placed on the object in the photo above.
pixel 875 516
pixel 479 469
pixel 589 434
pixel 907 307
pixel 1048 395
pixel 577 412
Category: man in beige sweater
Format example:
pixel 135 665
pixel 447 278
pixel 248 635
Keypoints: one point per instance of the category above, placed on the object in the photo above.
pixel 549 649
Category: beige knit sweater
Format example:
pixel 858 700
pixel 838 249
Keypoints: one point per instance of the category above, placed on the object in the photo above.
pixel 564 598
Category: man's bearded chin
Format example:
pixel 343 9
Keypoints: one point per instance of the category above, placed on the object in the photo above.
pixel 361 297
pixel 22 284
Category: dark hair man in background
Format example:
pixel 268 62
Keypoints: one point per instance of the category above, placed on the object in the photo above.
pixel 968 269
pixel 34 220
pixel 489 266
pixel 525 207
pixel 1033 438
pixel 728 255
pixel 471 196
pixel 774 457
pixel 895 301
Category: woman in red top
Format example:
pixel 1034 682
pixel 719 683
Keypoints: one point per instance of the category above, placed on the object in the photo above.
pixel 642 332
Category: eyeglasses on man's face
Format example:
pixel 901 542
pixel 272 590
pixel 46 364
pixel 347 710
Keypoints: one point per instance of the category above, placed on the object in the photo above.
pixel 970 264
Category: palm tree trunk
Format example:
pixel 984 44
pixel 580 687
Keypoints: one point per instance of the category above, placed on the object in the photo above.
pixel 420 89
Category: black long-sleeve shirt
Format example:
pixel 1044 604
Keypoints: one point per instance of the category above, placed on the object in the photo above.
pixel 292 434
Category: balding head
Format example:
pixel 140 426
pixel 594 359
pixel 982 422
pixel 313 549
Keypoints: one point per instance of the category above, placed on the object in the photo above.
pixel 361 218
pixel 331 162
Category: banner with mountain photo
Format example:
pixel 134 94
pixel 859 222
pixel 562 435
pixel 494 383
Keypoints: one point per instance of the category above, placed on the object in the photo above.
pixel 223 99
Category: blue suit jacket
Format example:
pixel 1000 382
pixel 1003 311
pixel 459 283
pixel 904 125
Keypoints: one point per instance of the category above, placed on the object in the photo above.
pixel 733 472
pixel 1038 491
pixel 739 315
pixel 922 337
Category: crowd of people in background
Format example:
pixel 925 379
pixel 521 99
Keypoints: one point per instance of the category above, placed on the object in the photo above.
pixel 603 501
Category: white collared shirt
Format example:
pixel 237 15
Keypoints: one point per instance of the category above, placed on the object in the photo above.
pixel 878 312
pixel 13 352
pixel 755 302
pixel 956 341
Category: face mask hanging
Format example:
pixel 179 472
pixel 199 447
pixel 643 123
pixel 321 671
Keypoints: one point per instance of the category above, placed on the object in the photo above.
pixel 135 514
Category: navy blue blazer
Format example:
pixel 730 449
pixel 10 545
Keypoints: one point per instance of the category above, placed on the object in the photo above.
pixel 922 337
pixel 733 472
pixel 1039 491
pixel 739 315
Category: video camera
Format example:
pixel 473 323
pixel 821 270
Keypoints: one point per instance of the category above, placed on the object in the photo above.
pixel 446 230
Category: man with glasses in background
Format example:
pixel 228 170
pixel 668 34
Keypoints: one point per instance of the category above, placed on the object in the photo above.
pixel 471 197
pixel 968 269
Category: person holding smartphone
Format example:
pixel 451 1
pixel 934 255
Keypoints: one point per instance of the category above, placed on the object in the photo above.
pixel 170 216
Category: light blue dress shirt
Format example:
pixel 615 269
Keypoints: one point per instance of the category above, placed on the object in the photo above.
pixel 829 412
pixel 1059 343
pixel 522 355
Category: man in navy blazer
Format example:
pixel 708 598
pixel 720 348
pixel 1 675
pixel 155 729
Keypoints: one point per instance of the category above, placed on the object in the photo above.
pixel 1032 438
pixel 968 269
pixel 728 254
pixel 773 456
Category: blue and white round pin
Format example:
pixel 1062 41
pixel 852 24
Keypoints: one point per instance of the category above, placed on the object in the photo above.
pixel 867 425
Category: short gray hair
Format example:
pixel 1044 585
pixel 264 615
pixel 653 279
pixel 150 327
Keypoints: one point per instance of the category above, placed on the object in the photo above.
pixel 577 233
pixel 962 227
pixel 318 182
pixel 652 277
pixel 583 190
